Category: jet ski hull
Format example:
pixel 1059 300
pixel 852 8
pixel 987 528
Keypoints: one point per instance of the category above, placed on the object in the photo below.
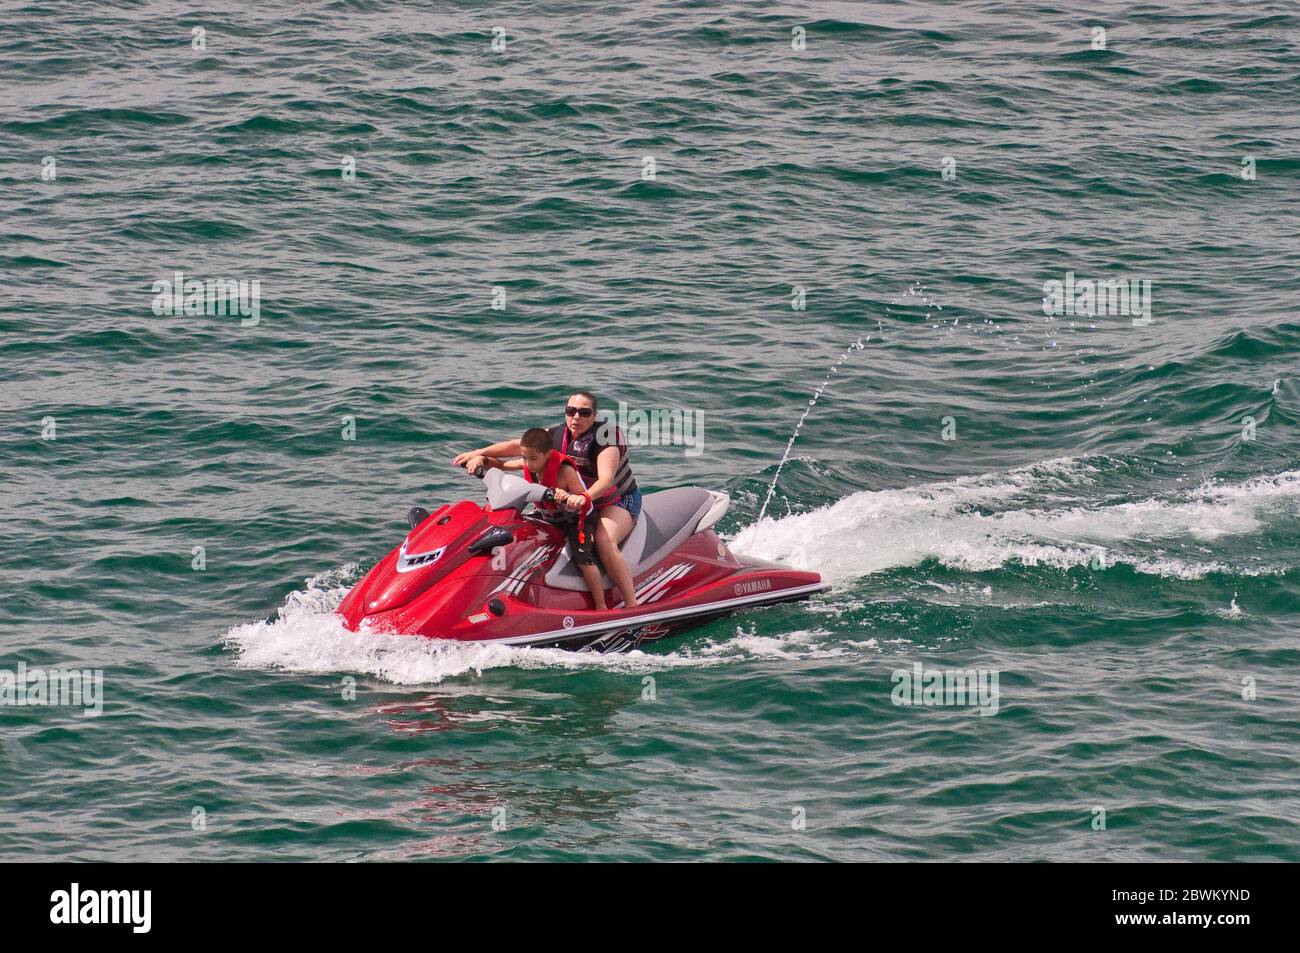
pixel 444 582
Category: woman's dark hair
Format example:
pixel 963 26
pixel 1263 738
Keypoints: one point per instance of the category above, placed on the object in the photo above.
pixel 590 396
pixel 536 440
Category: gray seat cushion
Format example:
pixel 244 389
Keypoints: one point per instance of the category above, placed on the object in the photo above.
pixel 667 518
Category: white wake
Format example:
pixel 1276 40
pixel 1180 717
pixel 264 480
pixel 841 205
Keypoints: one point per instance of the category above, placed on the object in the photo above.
pixel 985 522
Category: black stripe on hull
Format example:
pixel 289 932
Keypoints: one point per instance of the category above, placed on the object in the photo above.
pixel 636 636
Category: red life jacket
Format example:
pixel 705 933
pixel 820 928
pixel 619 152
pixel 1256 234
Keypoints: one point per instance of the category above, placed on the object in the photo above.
pixel 551 478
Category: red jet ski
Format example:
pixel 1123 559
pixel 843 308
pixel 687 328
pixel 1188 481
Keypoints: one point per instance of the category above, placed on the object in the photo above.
pixel 491 574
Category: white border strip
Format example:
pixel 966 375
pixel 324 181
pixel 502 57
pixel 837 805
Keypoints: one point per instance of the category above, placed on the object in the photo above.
pixel 631 620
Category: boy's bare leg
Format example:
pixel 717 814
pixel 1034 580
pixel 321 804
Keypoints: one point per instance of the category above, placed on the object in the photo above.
pixel 592 575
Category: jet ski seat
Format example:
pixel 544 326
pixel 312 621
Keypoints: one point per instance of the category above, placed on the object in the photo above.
pixel 667 518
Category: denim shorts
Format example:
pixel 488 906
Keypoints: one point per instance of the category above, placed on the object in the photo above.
pixel 632 503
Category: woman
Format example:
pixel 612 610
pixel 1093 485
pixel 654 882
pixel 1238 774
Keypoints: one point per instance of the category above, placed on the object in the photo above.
pixel 601 457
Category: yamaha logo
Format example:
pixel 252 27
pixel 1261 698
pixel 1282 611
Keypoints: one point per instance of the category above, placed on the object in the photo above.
pixel 568 622
pixel 758 585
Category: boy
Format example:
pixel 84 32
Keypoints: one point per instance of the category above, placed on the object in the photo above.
pixel 572 507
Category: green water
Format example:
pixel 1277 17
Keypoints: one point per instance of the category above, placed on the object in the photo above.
pixel 1105 530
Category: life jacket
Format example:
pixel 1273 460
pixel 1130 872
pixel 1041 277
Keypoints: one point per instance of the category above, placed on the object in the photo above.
pixel 551 478
pixel 551 472
pixel 624 484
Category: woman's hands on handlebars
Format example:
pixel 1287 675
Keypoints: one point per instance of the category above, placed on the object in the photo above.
pixel 492 455
pixel 471 461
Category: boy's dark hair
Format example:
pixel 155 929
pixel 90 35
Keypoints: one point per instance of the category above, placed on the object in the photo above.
pixel 590 396
pixel 537 440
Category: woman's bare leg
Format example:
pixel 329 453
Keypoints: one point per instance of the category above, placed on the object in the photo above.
pixel 615 524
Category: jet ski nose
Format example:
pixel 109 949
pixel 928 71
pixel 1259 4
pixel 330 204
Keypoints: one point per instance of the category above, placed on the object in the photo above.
pixel 434 547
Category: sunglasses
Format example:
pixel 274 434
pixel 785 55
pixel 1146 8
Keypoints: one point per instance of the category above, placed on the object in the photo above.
pixel 578 411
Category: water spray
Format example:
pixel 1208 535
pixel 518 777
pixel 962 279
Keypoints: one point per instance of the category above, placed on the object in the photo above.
pixel 857 345
pixel 916 290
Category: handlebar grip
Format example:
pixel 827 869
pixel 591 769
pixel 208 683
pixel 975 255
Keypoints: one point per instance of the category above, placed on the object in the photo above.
pixel 479 471
pixel 548 496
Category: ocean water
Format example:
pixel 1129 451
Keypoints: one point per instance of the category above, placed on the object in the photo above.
pixel 1102 510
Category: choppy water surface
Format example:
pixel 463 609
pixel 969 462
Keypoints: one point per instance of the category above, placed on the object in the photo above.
pixel 1112 527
